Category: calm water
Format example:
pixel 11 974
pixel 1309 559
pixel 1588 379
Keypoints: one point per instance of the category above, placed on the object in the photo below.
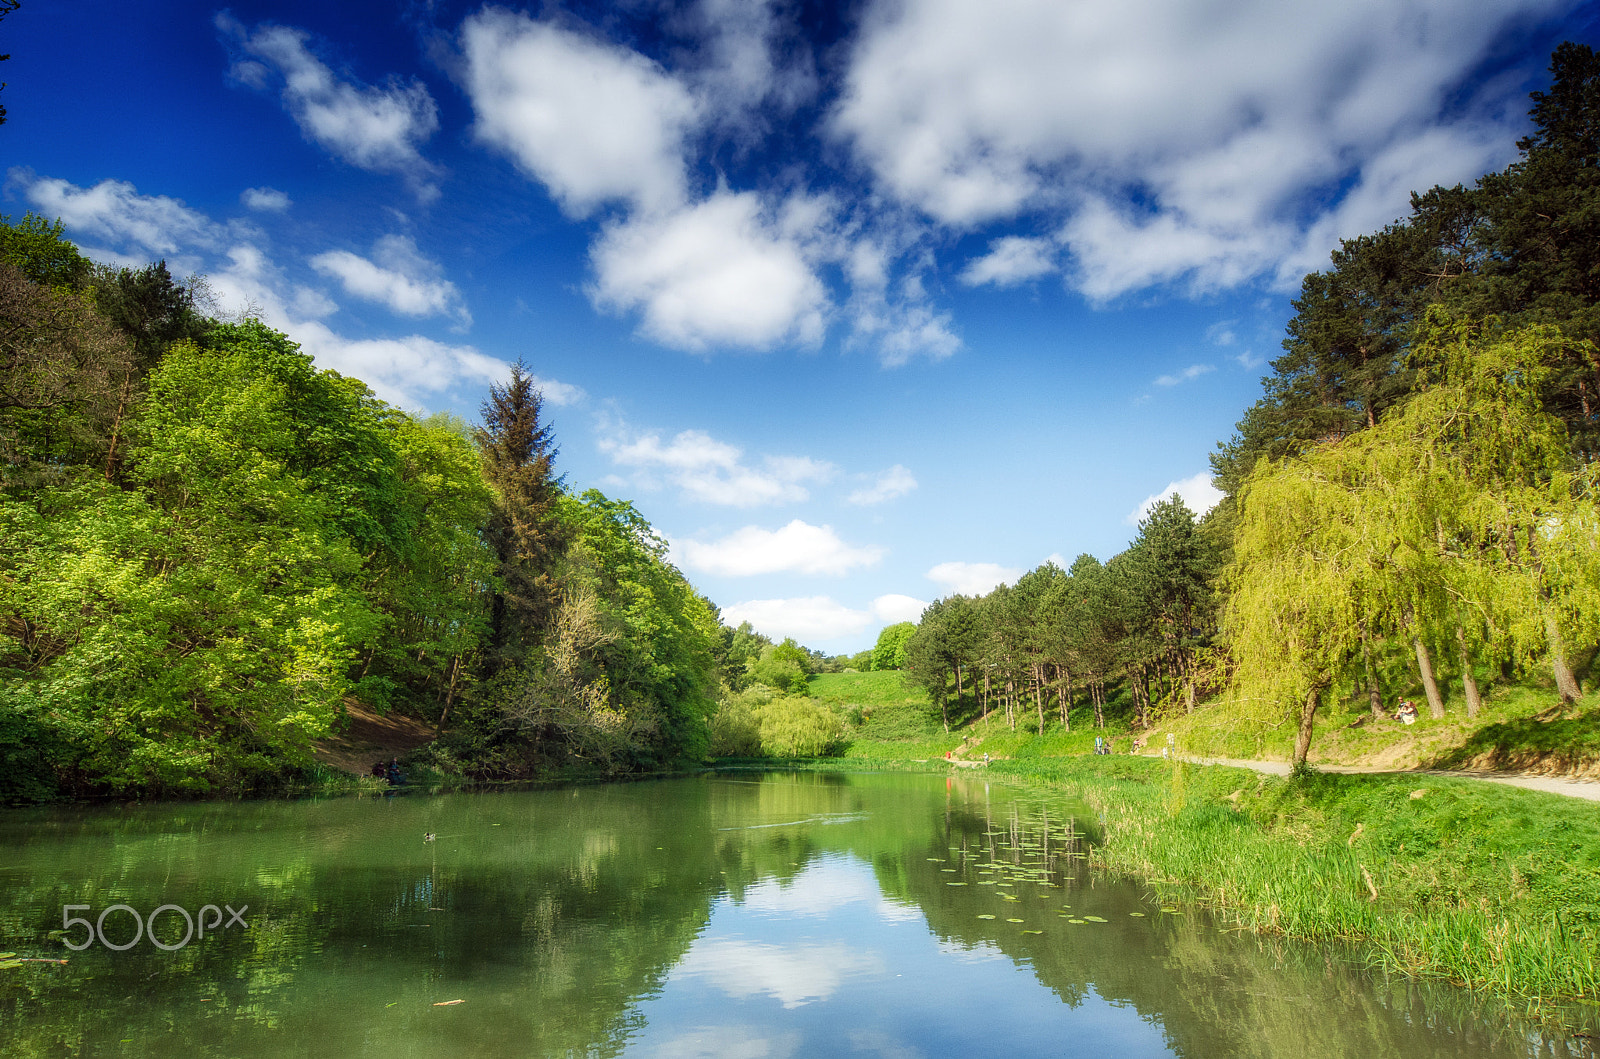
pixel 734 915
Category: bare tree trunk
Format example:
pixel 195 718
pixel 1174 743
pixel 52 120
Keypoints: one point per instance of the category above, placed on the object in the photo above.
pixel 986 695
pixel 1011 703
pixel 1566 683
pixel 450 692
pixel 1429 684
pixel 1469 680
pixel 958 687
pixel 1097 692
pixel 1308 713
pixel 1374 698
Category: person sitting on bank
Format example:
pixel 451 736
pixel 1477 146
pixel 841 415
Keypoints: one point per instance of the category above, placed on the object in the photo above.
pixel 1407 712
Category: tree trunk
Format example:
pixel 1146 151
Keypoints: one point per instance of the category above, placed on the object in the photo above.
pixel 1429 684
pixel 1566 683
pixel 1038 693
pixel 1097 692
pixel 986 696
pixel 1308 713
pixel 958 687
pixel 1374 697
pixel 1469 680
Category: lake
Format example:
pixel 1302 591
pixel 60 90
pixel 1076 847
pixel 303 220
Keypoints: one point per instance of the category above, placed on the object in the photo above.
pixel 731 914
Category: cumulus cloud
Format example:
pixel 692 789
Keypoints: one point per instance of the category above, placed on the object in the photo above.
pixel 1196 492
pixel 377 128
pixel 114 209
pixel 1011 260
pixel 713 274
pixel 591 121
pixel 397 276
pixel 709 470
pixel 1193 371
pixel 798 548
pixel 749 54
pixel 1176 143
pixel 266 200
pixel 404 371
pixel 811 619
pixel 896 481
pixel 972 579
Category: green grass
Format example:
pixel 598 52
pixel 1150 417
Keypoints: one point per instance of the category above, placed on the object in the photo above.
pixel 1521 726
pixel 871 691
pixel 1484 885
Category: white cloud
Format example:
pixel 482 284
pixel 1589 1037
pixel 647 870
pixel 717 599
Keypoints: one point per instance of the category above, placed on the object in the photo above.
pixel 811 619
pixel 1193 371
pixel 798 547
pixel 972 579
pixel 794 975
pixel 1196 491
pixel 893 609
pixel 374 128
pixel 404 371
pixel 750 54
pixel 901 324
pixel 896 481
pixel 712 274
pixel 268 200
pixel 398 276
pixel 710 470
pixel 114 209
pixel 592 122
pixel 1010 261
pixel 1232 128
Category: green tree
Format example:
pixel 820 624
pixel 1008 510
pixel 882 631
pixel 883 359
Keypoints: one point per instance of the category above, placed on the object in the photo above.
pixel 527 536
pixel 890 650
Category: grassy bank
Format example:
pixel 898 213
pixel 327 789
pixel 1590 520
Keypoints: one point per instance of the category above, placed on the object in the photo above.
pixel 1488 886
pixel 1485 885
pixel 1522 726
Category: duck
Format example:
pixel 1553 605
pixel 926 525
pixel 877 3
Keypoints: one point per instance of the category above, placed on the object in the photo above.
pixel 428 836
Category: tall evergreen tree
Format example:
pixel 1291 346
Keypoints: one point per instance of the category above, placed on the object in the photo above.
pixel 518 450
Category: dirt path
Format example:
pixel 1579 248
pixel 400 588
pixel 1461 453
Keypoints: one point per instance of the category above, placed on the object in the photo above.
pixel 370 738
pixel 1586 789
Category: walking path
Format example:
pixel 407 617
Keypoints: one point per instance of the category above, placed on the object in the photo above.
pixel 1587 789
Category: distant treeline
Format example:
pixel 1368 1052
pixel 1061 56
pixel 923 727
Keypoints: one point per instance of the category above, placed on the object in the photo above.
pixel 1417 483
pixel 208 547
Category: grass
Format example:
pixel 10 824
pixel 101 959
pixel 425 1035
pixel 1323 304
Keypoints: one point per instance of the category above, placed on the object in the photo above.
pixel 1521 726
pixel 1488 886
pixel 1480 884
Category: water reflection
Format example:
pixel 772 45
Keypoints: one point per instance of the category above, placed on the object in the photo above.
pixel 745 915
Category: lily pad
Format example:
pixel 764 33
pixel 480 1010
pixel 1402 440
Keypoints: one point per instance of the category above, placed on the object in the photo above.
pixel 1013 921
pixel 1033 932
pixel 955 884
pixel 984 915
pixel 1139 914
pixel 1093 919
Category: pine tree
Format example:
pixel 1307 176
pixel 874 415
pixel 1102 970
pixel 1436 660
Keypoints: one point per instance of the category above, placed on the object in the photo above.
pixel 524 531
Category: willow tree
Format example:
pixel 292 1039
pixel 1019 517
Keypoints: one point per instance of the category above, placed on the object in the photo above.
pixel 1462 512
pixel 1298 583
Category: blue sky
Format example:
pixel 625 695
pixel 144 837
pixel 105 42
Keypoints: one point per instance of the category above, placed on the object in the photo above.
pixel 860 304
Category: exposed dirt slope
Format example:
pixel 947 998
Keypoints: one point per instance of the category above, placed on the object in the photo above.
pixel 368 738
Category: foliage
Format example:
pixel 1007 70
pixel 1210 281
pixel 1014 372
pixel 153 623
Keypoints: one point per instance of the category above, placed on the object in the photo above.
pixel 1460 510
pixel 890 650
pixel 796 726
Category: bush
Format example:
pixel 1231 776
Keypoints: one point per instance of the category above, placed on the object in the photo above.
pixel 793 726
pixel 736 726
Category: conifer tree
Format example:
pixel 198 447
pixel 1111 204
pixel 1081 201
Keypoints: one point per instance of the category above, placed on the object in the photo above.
pixel 524 529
